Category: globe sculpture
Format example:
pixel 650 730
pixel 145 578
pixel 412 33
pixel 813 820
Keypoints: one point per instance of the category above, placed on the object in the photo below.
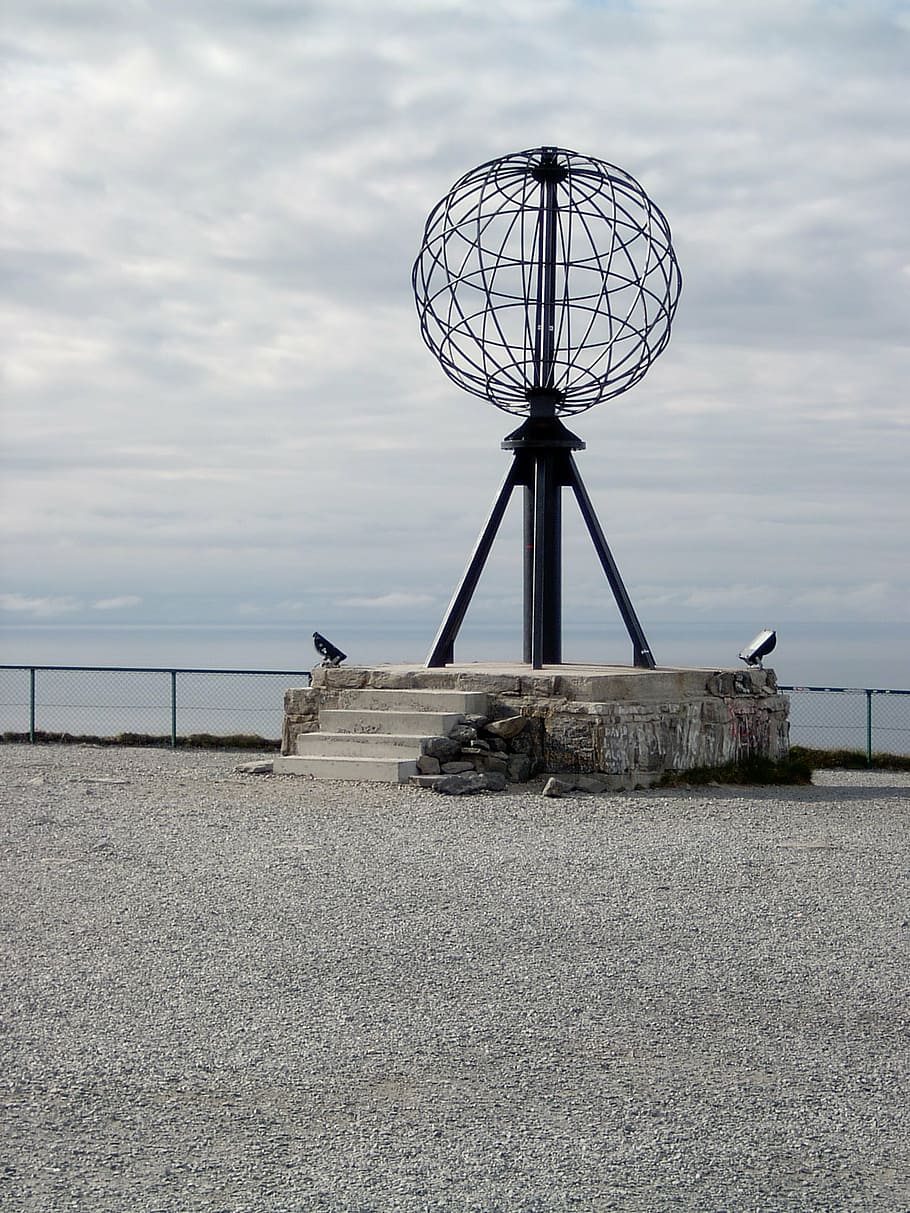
pixel 546 283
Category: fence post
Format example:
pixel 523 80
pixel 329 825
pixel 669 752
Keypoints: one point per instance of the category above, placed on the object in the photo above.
pixel 868 728
pixel 31 704
pixel 173 674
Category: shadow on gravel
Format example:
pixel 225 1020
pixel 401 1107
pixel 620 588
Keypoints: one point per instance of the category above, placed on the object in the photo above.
pixel 813 794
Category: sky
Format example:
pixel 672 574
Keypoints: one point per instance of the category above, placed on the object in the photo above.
pixel 216 404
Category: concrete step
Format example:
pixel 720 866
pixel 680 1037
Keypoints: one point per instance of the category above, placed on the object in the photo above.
pixel 370 720
pixel 474 703
pixel 360 745
pixel 374 770
pixel 378 735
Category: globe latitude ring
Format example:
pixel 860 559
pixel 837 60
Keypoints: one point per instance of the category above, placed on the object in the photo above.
pixel 546 282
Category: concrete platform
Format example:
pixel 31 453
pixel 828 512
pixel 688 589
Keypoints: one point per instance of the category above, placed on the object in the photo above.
pixel 590 683
pixel 627 724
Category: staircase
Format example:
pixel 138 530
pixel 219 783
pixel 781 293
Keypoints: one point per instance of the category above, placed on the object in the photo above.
pixel 378 735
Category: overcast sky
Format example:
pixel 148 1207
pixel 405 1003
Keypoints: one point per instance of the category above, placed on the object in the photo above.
pixel 215 395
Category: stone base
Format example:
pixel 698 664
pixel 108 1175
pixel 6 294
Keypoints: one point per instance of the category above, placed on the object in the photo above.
pixel 627 725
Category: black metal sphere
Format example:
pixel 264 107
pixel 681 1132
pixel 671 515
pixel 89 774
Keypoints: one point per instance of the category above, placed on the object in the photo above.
pixel 547 282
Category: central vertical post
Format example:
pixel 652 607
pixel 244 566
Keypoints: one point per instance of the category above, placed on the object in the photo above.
pixel 543 481
pixel 549 173
pixel 542 452
pixel 546 640
pixel 542 447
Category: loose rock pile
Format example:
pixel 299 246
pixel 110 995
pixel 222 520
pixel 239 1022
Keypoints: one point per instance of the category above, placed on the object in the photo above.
pixel 479 755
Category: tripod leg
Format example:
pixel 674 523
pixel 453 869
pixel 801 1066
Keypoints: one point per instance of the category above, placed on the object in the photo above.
pixel 642 656
pixel 443 650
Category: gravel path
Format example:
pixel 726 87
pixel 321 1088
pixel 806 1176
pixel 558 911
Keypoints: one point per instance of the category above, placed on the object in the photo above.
pixel 244 994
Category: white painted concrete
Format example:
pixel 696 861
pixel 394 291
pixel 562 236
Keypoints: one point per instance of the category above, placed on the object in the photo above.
pixel 466 703
pixel 423 724
pixel 374 770
pixel 358 745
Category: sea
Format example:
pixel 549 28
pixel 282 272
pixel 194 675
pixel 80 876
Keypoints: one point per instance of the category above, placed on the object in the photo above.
pixel 851 656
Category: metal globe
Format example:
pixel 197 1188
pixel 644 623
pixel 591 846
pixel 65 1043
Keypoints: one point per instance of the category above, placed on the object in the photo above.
pixel 546 282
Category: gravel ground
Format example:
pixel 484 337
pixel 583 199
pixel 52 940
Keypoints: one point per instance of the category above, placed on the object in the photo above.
pixel 227 993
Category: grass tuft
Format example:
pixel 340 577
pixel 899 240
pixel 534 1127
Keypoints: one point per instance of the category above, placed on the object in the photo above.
pixel 850 760
pixel 194 741
pixel 753 771
pixel 795 769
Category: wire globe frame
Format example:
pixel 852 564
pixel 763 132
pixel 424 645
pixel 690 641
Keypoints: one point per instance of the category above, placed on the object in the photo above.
pixel 546 282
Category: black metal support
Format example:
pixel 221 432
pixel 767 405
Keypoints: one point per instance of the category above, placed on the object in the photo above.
pixel 543 464
pixel 641 651
pixel 443 650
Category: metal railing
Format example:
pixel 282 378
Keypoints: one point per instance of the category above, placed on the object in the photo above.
pixel 169 703
pixel 871 719
pixel 37 701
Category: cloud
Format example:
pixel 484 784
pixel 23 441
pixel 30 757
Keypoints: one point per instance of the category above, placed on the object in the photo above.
pixel 214 380
pixel 394 601
pixel 41 608
pixel 275 610
pixel 124 602
pixel 879 600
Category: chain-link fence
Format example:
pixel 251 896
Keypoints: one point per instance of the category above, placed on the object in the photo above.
pixel 110 702
pixel 872 720
pixel 141 703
